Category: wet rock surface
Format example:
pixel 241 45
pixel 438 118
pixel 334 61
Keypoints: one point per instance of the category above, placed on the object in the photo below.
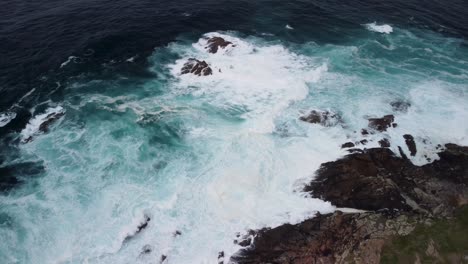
pixel 381 124
pixel 348 145
pixel 399 196
pixel 330 238
pixel 196 67
pixel 215 43
pixel 44 126
pixel 384 143
pixel 324 118
pixel 377 179
pixel 409 140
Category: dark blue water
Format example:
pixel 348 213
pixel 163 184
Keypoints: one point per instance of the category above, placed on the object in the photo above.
pixel 211 156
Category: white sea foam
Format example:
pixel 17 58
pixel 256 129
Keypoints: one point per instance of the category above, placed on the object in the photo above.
pixel 70 59
pixel 289 27
pixel 384 28
pixel 6 117
pixel 264 80
pixel 32 128
pixel 211 156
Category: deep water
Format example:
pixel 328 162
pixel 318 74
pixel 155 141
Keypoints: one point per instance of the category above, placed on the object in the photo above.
pixel 207 157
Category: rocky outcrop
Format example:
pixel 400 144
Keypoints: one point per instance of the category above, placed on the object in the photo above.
pixel 384 143
pixel 44 121
pixel 50 119
pixel 348 145
pixel 215 43
pixel 399 198
pixel 381 124
pixel 196 67
pixel 378 179
pixel 330 238
pixel 409 140
pixel 324 118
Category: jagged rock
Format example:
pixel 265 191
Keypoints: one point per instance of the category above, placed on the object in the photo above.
pixel 409 139
pixel 139 228
pixel 348 145
pixel 360 181
pixel 330 238
pixel 364 132
pixel 378 179
pixel 196 67
pixel 400 106
pixel 51 118
pixel 384 143
pixel 221 257
pixel 215 43
pixel 371 180
pixel 324 118
pixel 144 224
pixel 44 126
pixel 146 250
pixel 381 124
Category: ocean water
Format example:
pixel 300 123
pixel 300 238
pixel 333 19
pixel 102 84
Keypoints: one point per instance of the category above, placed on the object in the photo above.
pixel 204 158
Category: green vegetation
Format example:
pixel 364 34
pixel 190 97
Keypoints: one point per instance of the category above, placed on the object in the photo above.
pixel 445 241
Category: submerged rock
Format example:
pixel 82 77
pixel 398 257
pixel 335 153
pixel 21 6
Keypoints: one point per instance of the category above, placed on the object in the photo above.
pixel 196 67
pixel 400 106
pixel 41 123
pixel 215 43
pixel 140 227
pixel 324 118
pixel 381 124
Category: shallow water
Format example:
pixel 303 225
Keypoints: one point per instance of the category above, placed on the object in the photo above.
pixel 217 155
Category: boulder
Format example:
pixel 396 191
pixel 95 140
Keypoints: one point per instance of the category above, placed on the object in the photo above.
pixel 196 67
pixel 409 140
pixel 214 43
pixel 381 124
pixel 384 143
pixel 324 118
pixel 348 145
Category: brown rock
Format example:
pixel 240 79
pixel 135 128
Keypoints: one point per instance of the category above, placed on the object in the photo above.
pixel 215 43
pixel 330 238
pixel 51 118
pixel 347 145
pixel 196 67
pixel 381 124
pixel 372 180
pixel 409 139
pixel 377 179
pixel 384 143
pixel 324 118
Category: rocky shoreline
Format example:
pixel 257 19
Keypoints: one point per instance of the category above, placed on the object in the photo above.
pixel 406 213
pixel 398 198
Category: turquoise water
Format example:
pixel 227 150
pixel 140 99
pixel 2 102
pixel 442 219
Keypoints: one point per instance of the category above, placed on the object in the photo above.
pixel 216 155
